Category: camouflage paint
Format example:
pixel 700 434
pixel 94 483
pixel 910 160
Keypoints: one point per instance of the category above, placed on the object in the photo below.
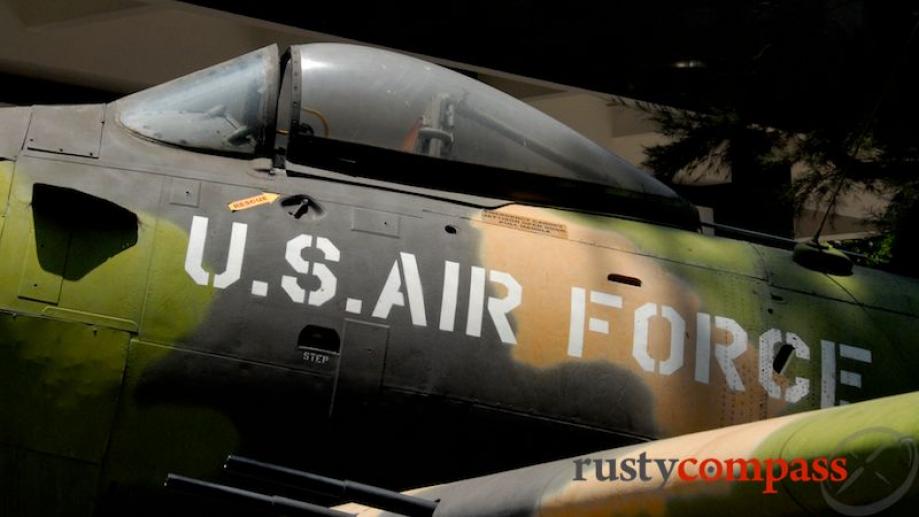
pixel 807 435
pixel 550 266
pixel 856 431
pixel 64 363
pixel 181 374
pixel 6 180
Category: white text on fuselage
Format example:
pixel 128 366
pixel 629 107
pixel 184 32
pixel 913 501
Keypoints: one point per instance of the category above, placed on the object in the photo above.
pixel 404 288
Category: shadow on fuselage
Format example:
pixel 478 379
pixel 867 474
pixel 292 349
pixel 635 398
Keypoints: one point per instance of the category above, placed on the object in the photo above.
pixel 76 232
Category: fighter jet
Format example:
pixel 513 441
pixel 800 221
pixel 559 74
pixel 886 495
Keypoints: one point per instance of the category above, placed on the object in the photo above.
pixel 350 263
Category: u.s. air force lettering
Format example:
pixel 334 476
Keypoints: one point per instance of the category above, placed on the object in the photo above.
pixel 404 288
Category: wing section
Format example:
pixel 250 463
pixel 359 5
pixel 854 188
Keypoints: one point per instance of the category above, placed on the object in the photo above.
pixel 859 459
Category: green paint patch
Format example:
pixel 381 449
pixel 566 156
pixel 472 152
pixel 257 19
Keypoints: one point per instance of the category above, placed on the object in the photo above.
pixel 175 305
pixel 677 245
pixel 878 439
pixel 60 385
pixel 6 181
pixel 77 252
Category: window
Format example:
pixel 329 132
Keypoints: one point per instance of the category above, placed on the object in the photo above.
pixel 227 108
pixel 383 99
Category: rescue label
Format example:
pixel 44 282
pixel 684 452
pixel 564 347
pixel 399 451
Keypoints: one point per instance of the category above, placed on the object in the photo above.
pixel 262 199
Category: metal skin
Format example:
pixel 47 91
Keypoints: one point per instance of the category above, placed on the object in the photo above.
pixel 366 331
pixel 878 438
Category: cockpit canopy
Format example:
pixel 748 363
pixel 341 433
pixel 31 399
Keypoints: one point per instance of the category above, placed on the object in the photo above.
pixel 228 108
pixel 372 97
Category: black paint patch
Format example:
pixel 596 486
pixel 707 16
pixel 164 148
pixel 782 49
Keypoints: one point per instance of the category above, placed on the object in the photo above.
pixel 782 357
pixel 90 229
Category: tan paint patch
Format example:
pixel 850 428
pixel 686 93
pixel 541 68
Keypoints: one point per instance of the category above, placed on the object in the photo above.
pixel 359 510
pixel 548 268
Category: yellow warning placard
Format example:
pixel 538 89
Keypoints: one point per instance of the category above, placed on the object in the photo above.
pixel 265 198
pixel 527 224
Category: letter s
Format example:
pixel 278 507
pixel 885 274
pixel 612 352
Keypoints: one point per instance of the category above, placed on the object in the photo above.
pixel 840 473
pixel 819 468
pixel 327 281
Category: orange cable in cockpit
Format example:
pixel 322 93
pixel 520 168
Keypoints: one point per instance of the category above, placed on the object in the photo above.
pixel 321 117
